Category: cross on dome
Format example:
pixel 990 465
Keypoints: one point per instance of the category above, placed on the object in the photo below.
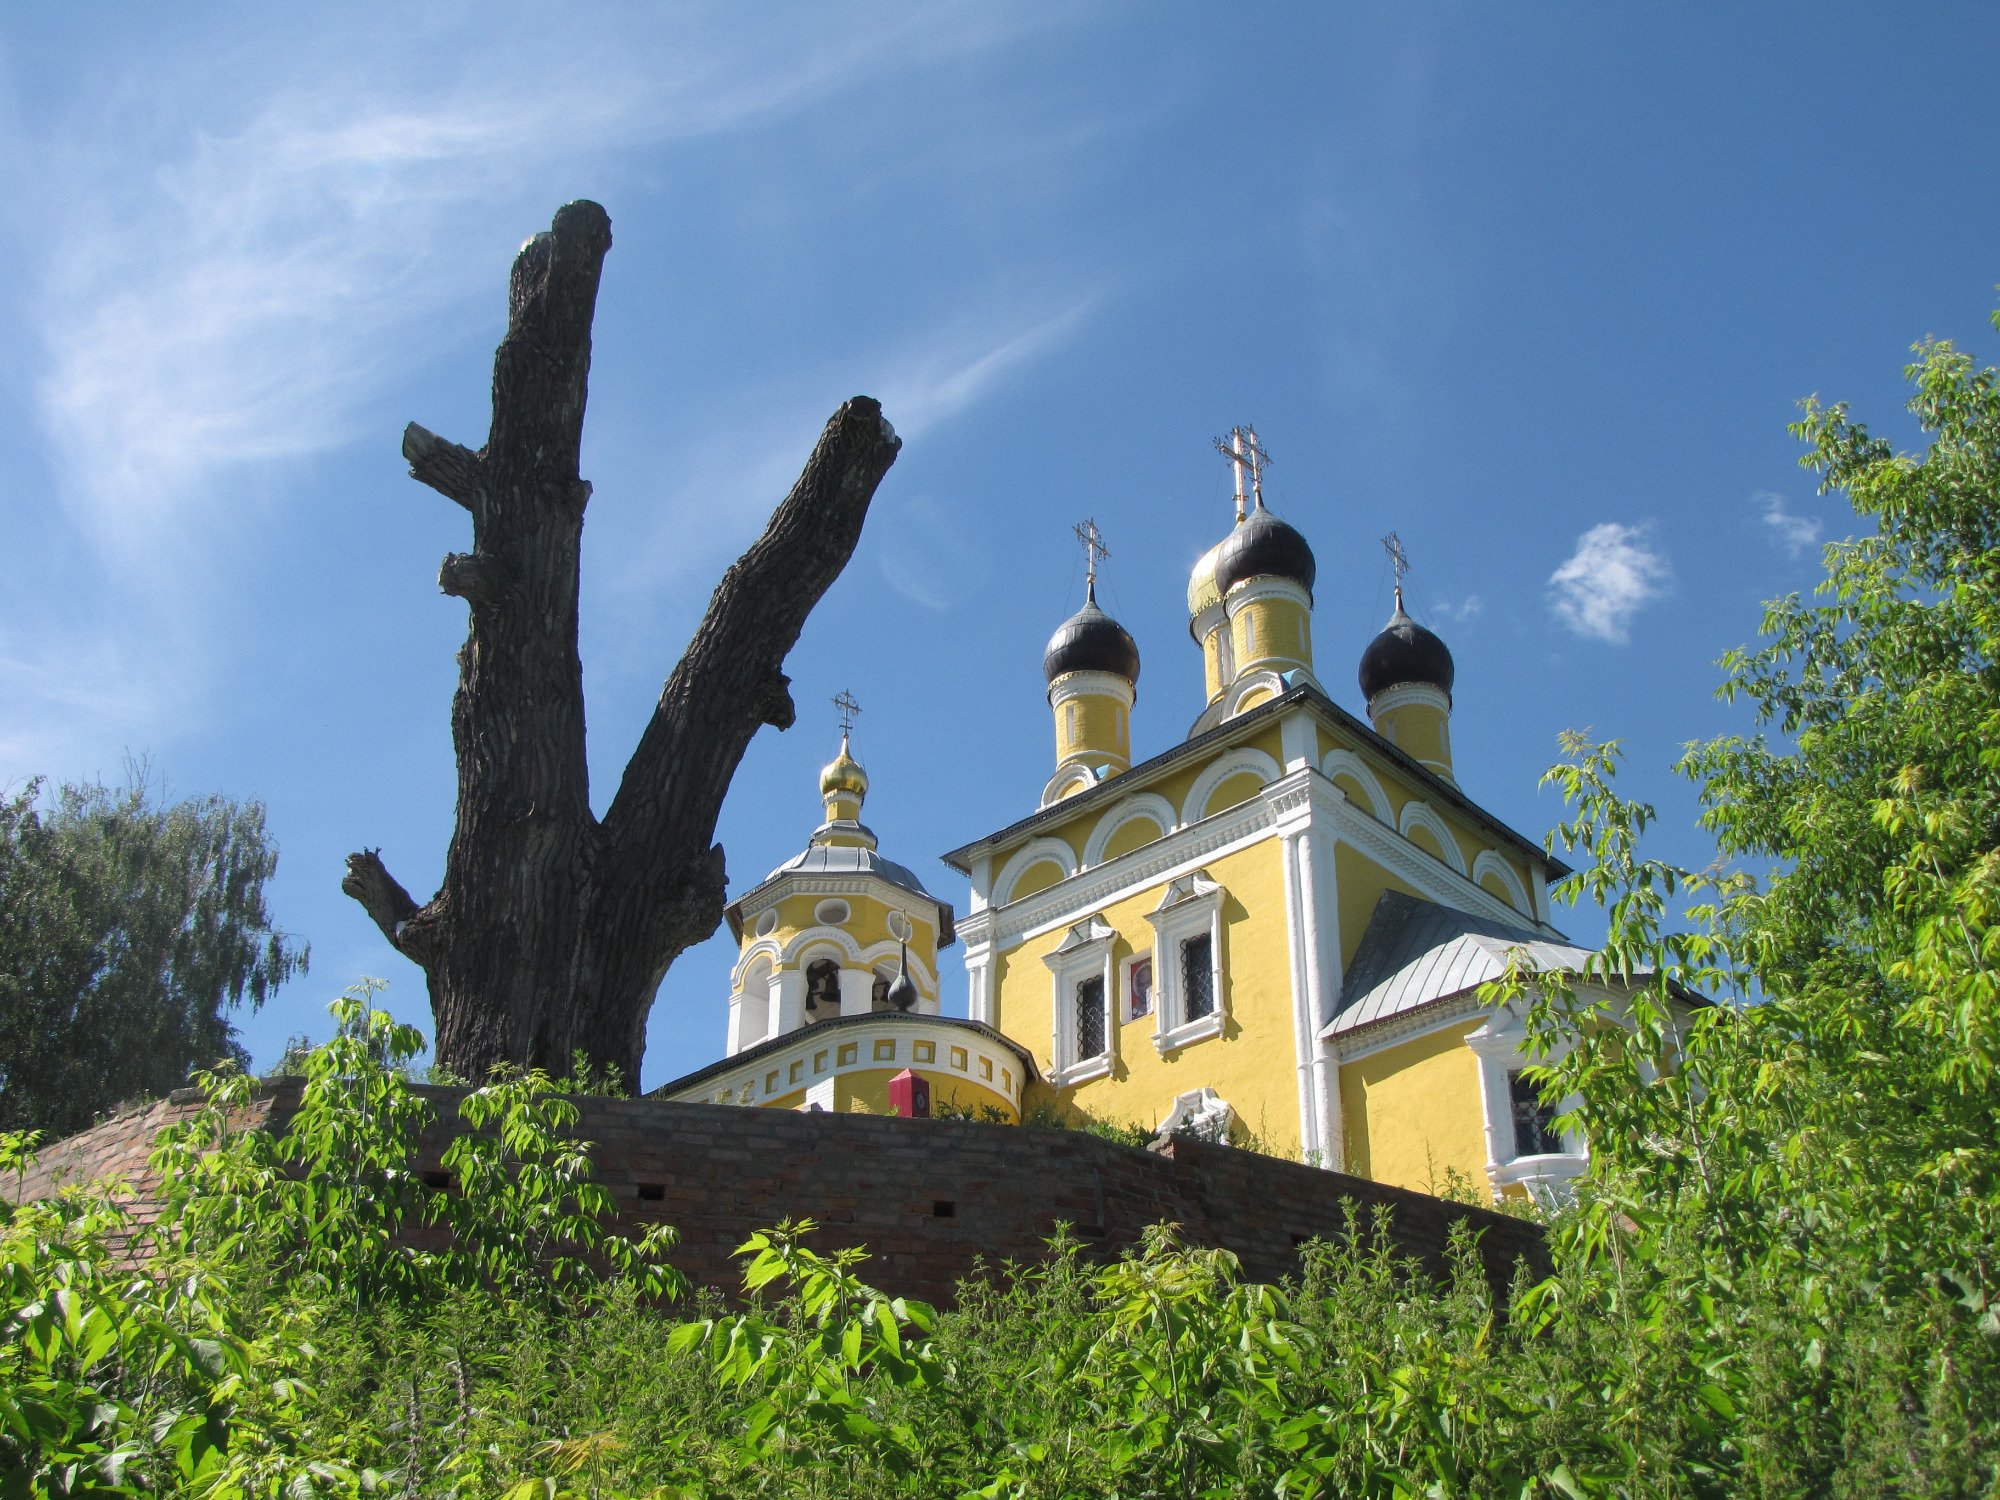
pixel 1094 552
pixel 1399 562
pixel 848 708
pixel 1245 453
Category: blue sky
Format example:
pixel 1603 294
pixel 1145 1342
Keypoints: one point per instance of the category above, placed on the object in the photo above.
pixel 1538 287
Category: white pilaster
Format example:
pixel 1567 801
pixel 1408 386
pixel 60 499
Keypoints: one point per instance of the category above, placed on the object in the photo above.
pixel 1302 1039
pixel 857 992
pixel 1298 742
pixel 789 985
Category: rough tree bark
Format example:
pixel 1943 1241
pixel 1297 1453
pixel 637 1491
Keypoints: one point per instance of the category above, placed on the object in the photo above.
pixel 552 930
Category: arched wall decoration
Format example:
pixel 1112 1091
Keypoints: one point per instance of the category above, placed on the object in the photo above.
pixel 1235 763
pixel 1346 763
pixel 1149 805
pixel 1026 858
pixel 1248 683
pixel 1492 864
pixel 805 946
pixel 1079 778
pixel 766 949
pixel 1420 815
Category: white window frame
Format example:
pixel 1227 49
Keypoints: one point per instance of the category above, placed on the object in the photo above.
pixel 1202 1113
pixel 1189 908
pixel 1500 1047
pixel 1084 953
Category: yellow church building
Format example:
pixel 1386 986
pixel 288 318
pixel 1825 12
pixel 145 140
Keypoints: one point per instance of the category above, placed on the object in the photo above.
pixel 1276 928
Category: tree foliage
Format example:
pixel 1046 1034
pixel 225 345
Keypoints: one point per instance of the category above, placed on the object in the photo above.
pixel 1828 1144
pixel 128 930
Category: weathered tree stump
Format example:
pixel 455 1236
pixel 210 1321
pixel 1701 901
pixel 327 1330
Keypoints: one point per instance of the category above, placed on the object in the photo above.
pixel 553 929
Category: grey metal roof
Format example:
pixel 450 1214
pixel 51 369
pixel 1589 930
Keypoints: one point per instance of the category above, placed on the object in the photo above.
pixel 847 859
pixel 1417 952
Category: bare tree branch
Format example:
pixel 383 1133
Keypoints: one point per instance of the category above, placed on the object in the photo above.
pixel 453 471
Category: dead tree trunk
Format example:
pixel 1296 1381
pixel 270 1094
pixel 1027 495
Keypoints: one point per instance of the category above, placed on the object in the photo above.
pixel 552 930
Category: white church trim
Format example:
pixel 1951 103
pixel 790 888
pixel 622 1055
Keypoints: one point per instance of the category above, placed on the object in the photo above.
pixel 1343 762
pixel 1149 805
pixel 1489 863
pixel 1034 852
pixel 1423 815
pixel 1244 758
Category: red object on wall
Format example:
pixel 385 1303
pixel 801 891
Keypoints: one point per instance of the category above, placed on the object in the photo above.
pixel 910 1096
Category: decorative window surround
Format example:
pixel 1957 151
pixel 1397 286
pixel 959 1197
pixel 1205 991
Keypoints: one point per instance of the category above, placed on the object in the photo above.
pixel 1201 1113
pixel 1546 1176
pixel 1189 910
pixel 1084 954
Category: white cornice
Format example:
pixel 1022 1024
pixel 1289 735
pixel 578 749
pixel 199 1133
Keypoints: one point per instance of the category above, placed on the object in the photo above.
pixel 1428 875
pixel 1368 1040
pixel 1403 694
pixel 1090 685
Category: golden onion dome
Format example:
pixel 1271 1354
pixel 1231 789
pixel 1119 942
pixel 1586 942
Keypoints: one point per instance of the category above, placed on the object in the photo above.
pixel 1202 592
pixel 843 774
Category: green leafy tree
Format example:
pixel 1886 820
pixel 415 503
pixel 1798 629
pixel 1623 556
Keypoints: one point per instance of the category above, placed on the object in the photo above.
pixel 128 930
pixel 1796 1196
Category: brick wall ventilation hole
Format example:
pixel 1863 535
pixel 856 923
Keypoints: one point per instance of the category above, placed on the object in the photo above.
pixel 652 1192
pixel 944 1208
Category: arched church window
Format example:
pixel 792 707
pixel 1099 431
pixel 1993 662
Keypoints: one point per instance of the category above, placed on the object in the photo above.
pixel 822 989
pixel 878 992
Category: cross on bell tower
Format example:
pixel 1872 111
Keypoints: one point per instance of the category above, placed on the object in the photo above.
pixel 1094 552
pixel 1399 562
pixel 846 706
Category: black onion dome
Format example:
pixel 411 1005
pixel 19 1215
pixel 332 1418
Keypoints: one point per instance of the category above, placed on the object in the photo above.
pixel 1091 641
pixel 1405 652
pixel 1262 546
pixel 903 989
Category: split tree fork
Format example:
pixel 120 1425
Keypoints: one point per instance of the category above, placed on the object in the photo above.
pixel 553 929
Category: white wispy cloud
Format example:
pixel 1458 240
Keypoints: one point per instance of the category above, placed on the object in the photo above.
pixel 227 272
pixel 1613 572
pixel 240 297
pixel 724 488
pixel 1467 608
pixel 921 389
pixel 1790 534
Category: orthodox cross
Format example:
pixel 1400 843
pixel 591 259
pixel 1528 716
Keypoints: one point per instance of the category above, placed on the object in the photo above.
pixel 1399 562
pixel 1094 552
pixel 1245 453
pixel 847 708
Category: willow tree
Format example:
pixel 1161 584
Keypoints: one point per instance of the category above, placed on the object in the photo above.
pixel 553 927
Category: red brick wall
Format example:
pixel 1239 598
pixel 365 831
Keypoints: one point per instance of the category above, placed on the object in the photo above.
pixel 925 1197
